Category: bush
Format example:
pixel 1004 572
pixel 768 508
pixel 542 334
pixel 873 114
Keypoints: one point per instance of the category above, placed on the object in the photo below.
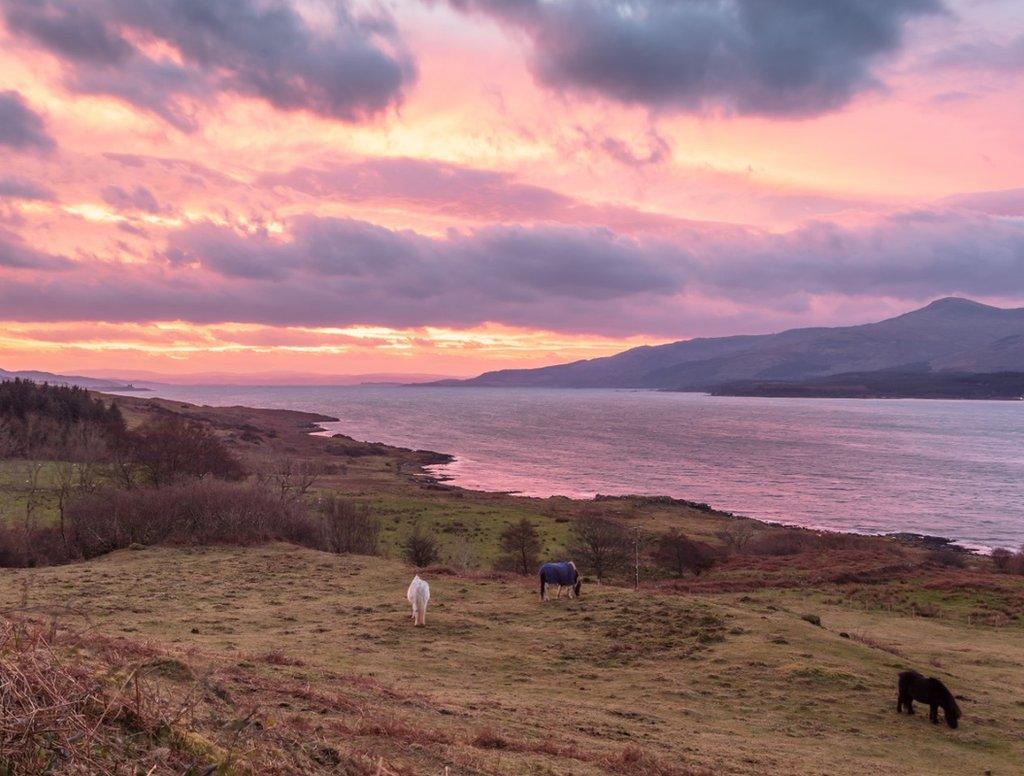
pixel 600 544
pixel 520 546
pixel 419 549
pixel 780 543
pixel 679 554
pixel 1008 562
pixel 948 558
pixel 348 527
pixel 26 548
pixel 170 448
pixel 199 512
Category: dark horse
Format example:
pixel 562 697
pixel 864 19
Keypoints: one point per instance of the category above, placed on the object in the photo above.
pixel 915 687
pixel 562 574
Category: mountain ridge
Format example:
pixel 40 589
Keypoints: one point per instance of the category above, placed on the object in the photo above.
pixel 948 334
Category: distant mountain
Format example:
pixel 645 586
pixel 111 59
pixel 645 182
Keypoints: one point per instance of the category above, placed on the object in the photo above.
pixel 949 335
pixel 91 383
pixel 271 378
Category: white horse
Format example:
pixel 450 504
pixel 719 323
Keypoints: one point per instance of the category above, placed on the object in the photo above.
pixel 418 595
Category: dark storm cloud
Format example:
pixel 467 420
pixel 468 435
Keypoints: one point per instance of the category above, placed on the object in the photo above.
pixel 778 57
pixel 350 69
pixel 333 271
pixel 20 126
pixel 489 265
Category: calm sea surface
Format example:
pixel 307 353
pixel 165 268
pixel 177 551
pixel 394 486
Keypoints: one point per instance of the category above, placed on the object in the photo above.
pixel 949 468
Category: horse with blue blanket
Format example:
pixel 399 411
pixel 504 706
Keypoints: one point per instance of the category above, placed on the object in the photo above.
pixel 562 574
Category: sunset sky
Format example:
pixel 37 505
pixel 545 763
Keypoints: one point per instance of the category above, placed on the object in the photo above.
pixel 449 186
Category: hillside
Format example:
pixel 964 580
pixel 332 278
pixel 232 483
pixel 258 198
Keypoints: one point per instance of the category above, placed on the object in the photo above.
pixel 947 335
pixel 270 658
pixel 300 661
pixel 92 383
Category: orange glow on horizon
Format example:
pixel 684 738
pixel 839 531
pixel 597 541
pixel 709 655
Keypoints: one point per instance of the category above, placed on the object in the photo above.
pixel 175 348
pixel 94 221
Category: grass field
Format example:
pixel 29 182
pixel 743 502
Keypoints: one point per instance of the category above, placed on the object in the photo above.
pixel 284 660
pixel 499 683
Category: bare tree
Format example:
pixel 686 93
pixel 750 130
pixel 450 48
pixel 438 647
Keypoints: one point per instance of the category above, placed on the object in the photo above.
pixel 169 448
pixel 602 544
pixel 33 471
pixel 520 545
pixel 736 536
pixel 679 554
pixel 291 479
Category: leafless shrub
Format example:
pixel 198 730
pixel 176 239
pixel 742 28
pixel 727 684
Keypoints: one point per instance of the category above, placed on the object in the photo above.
pixel 679 554
pixel 1007 561
pixel 349 527
pixel 169 448
pixel 736 536
pixel 948 558
pixel 419 548
pixel 600 544
pixel 520 547
pixel 463 555
pixel 291 479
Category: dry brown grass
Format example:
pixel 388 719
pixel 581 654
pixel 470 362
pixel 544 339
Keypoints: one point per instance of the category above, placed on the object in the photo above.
pixel 302 660
pixel 61 713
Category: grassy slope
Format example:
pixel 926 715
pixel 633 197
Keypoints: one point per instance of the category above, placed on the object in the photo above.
pixel 731 683
pixel 718 673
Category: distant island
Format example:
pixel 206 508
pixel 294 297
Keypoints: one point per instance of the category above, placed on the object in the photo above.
pixel 951 348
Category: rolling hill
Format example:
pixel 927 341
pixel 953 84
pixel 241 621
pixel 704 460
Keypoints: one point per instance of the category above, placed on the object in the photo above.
pixel 90 383
pixel 948 335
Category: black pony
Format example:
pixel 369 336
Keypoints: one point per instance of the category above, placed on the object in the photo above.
pixel 915 687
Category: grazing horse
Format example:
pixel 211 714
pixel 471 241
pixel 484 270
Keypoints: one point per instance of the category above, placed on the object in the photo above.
pixel 418 595
pixel 562 574
pixel 915 687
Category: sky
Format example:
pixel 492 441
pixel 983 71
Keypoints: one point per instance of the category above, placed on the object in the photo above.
pixel 328 187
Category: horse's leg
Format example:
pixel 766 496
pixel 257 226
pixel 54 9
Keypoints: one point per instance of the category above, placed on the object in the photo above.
pixel 910 705
pixel 933 714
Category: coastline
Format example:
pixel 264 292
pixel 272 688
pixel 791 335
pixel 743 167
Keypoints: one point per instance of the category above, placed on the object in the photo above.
pixel 428 475
pixel 438 472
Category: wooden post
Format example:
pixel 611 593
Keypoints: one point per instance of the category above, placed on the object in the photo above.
pixel 636 557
